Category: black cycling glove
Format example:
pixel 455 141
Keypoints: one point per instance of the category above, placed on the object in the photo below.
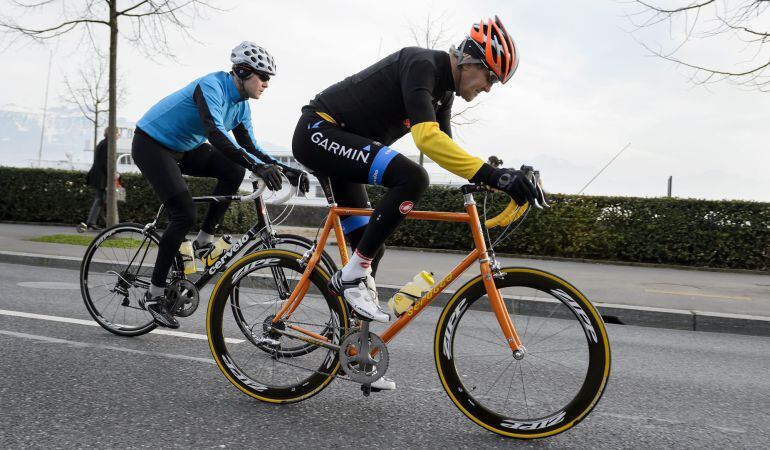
pixel 270 174
pixel 297 176
pixel 514 183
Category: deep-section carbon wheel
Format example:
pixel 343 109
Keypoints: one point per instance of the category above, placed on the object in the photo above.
pixel 246 344
pixel 563 372
pixel 115 273
pixel 298 244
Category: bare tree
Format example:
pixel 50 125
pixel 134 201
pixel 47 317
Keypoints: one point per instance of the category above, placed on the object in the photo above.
pixel 432 33
pixel 708 20
pixel 88 91
pixel 148 23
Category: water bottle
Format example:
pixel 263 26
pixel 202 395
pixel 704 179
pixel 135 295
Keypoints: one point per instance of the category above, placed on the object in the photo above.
pixel 188 258
pixel 411 292
pixel 220 247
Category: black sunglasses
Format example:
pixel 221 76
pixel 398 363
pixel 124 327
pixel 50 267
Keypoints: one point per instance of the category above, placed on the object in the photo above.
pixel 262 76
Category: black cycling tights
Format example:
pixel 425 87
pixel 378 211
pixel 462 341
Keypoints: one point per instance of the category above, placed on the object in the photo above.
pixel 163 169
pixel 351 161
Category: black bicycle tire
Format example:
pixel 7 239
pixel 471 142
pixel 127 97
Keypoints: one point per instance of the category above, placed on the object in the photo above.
pixel 220 299
pixel 559 421
pixel 87 259
pixel 326 263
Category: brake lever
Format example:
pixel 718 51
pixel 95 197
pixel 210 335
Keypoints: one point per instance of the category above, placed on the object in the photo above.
pixel 540 201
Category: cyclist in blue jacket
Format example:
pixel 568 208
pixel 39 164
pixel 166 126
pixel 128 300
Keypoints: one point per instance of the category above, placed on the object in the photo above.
pixel 171 140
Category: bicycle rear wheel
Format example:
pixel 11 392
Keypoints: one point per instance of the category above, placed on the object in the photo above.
pixel 114 274
pixel 564 370
pixel 253 357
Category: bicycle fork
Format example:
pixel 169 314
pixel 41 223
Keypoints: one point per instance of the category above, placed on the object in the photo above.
pixel 495 299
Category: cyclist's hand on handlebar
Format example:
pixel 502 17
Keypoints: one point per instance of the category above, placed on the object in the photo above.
pixel 297 178
pixel 270 174
pixel 515 183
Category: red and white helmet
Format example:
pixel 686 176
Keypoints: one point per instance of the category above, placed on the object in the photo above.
pixel 489 44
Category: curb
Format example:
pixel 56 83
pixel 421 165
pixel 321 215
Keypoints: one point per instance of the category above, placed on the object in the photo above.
pixel 643 316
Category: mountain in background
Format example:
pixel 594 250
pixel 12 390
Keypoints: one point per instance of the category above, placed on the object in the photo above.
pixel 68 135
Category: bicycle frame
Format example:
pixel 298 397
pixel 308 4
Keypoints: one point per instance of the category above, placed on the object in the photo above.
pixel 480 254
pixel 261 230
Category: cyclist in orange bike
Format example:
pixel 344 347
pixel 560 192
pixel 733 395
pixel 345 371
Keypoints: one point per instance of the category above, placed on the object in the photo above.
pixel 345 132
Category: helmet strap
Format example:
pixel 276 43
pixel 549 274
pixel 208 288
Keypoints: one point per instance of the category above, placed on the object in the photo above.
pixel 238 84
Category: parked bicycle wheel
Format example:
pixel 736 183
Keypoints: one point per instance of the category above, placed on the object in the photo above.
pixel 246 350
pixel 115 273
pixel 562 375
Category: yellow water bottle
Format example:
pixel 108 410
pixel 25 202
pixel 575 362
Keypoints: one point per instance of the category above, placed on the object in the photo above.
pixel 188 257
pixel 220 247
pixel 411 292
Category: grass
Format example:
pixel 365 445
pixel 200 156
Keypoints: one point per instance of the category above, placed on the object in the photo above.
pixel 77 239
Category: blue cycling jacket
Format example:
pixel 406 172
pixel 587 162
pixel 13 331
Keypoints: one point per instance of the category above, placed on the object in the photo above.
pixel 208 108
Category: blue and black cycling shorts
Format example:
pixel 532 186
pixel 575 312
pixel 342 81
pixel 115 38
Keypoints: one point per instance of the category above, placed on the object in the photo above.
pixel 351 161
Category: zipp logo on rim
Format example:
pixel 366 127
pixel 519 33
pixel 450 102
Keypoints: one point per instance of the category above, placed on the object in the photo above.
pixel 536 425
pixel 450 328
pixel 587 327
pixel 243 271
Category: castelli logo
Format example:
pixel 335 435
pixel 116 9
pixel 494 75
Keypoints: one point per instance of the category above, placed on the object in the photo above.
pixel 406 207
pixel 407 124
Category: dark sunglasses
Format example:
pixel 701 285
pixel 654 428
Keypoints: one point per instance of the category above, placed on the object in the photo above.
pixel 492 78
pixel 262 76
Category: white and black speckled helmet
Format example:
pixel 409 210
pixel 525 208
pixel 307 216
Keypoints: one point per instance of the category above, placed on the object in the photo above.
pixel 254 56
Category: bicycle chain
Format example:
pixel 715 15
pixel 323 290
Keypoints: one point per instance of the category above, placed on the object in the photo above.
pixel 341 377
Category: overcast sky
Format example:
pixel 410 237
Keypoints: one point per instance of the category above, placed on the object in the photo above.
pixel 583 90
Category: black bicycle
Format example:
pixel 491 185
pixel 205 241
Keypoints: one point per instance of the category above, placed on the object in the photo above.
pixel 117 267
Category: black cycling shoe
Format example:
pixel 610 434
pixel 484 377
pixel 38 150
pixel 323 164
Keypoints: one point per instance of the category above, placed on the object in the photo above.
pixel 159 310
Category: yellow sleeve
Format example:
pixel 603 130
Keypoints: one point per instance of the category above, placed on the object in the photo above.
pixel 444 151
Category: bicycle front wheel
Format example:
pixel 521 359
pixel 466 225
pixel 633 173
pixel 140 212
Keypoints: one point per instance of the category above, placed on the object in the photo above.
pixel 114 274
pixel 565 367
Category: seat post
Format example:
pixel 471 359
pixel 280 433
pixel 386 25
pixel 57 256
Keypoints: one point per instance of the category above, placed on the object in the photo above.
pixel 326 185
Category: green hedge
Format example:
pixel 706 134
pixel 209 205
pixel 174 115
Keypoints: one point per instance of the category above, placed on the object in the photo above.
pixel 61 196
pixel 724 234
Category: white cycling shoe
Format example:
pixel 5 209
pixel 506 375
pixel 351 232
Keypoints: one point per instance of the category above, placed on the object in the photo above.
pixel 384 384
pixel 361 295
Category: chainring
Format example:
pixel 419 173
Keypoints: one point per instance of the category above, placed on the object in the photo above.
pixel 363 368
pixel 185 296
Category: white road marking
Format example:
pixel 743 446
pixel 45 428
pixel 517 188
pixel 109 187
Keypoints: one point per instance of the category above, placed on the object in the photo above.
pixel 49 285
pixel 182 334
pixel 102 347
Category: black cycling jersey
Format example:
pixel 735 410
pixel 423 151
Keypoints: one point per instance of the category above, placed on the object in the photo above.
pixel 383 101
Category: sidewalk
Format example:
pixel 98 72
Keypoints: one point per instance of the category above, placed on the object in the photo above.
pixel 648 296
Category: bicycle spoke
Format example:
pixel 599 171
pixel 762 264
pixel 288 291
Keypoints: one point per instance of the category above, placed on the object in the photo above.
pixel 569 369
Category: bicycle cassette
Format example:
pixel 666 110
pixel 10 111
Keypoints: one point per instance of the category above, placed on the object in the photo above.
pixel 363 367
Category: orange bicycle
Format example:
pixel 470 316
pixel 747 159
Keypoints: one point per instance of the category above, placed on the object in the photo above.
pixel 519 351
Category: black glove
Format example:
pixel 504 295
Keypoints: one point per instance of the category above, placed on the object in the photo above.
pixel 270 174
pixel 514 183
pixel 297 176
